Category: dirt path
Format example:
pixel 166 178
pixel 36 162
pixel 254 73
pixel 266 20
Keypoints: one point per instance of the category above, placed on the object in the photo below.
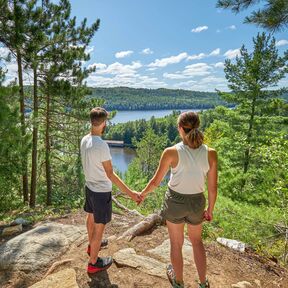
pixel 225 267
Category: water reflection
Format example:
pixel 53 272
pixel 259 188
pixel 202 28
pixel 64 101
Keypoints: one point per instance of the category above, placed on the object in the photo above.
pixel 122 157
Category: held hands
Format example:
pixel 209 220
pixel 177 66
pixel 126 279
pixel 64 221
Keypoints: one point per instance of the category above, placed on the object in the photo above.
pixel 136 196
pixel 143 196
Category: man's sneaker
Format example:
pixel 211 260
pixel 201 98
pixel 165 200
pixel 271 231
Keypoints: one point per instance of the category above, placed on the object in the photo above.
pixel 172 278
pixel 104 243
pixel 204 285
pixel 102 263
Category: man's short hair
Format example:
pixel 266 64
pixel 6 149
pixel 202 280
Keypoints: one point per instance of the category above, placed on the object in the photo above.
pixel 98 115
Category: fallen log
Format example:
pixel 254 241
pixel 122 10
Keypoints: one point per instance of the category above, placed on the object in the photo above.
pixel 121 206
pixel 146 224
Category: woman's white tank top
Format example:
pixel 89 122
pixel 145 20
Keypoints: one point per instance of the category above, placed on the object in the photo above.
pixel 189 176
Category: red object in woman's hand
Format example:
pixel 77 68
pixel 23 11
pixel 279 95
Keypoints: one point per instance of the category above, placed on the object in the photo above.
pixel 208 216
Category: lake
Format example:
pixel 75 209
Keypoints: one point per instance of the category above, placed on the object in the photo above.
pixel 122 157
pixel 125 116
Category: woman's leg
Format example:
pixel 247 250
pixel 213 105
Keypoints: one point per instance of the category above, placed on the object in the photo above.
pixel 176 234
pixel 195 236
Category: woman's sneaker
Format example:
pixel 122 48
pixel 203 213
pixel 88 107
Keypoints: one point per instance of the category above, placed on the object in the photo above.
pixel 101 264
pixel 172 278
pixel 104 243
pixel 204 285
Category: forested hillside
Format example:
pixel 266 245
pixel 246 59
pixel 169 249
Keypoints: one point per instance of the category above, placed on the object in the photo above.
pixel 124 98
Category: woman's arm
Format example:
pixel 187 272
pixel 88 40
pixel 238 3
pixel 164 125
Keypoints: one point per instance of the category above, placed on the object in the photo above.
pixel 212 183
pixel 164 165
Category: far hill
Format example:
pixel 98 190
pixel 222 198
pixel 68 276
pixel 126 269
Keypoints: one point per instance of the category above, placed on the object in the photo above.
pixel 124 98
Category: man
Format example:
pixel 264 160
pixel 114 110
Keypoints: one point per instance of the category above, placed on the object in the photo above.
pixel 99 176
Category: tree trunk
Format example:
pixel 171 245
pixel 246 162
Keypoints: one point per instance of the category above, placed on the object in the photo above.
pixel 34 142
pixel 146 224
pixel 48 150
pixel 23 129
pixel 79 170
pixel 249 136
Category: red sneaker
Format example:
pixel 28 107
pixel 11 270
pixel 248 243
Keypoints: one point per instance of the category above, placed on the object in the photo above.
pixel 104 243
pixel 102 263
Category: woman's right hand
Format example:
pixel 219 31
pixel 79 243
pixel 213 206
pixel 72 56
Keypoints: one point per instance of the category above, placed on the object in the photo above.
pixel 208 215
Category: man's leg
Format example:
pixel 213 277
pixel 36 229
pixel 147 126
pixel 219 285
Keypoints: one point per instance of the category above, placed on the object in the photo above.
pixel 95 243
pixel 90 226
pixel 176 234
pixel 195 236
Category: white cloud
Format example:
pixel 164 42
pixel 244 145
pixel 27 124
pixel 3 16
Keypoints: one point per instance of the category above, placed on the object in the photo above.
pixel 232 53
pixel 232 27
pixel 198 69
pixel 209 83
pixel 116 68
pixel 97 66
pixel 219 65
pixel 196 56
pixel 218 31
pixel 203 55
pixel 4 52
pixel 169 60
pixel 135 81
pixel 89 49
pixel 123 54
pixel 174 76
pixel 190 71
pixel 212 79
pixel 215 52
pixel 151 69
pixel 199 29
pixel 282 42
pixel 12 73
pixel 147 51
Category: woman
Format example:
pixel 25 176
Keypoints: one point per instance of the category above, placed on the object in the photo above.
pixel 190 161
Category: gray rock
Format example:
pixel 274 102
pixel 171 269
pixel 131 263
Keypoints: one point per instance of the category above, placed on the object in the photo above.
pixel 22 221
pixel 128 257
pixel 63 279
pixel 39 246
pixel 112 238
pixel 242 284
pixel 8 231
pixel 163 251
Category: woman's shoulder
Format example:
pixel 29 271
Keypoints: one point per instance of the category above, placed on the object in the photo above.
pixel 212 154
pixel 212 150
pixel 171 151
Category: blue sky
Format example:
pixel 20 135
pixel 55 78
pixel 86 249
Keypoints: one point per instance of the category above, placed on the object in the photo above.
pixel 165 43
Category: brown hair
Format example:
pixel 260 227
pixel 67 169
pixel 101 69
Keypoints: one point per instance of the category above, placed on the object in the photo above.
pixel 190 123
pixel 98 115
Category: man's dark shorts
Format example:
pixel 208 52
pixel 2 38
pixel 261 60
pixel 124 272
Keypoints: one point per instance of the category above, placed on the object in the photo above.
pixel 100 204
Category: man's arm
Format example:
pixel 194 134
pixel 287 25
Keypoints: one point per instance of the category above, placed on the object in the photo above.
pixel 117 181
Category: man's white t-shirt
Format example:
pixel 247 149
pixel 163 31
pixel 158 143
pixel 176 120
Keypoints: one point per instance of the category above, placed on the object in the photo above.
pixel 94 151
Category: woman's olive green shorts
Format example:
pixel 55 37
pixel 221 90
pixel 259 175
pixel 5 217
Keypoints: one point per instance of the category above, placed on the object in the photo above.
pixel 183 208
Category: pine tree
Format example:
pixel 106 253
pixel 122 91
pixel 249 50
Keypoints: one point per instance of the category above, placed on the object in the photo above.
pixel 250 79
pixel 61 69
pixel 14 17
pixel 273 16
